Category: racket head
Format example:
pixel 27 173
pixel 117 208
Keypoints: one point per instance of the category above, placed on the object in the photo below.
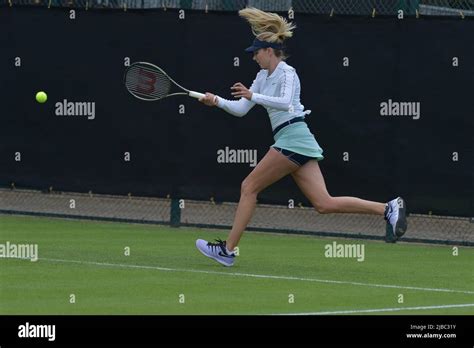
pixel 148 82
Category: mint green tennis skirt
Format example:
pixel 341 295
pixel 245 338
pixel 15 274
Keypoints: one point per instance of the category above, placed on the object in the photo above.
pixel 298 138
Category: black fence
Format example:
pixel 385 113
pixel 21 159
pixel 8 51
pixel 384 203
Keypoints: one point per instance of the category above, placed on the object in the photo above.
pixel 333 7
pixel 353 72
pixel 175 212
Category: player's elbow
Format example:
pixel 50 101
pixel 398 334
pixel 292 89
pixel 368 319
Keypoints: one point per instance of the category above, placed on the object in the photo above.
pixel 236 112
pixel 284 106
pixel 284 103
pixel 240 113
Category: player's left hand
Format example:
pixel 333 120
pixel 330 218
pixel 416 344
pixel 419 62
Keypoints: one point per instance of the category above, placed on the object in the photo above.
pixel 239 90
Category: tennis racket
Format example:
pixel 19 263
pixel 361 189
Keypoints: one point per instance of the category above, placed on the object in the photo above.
pixel 148 82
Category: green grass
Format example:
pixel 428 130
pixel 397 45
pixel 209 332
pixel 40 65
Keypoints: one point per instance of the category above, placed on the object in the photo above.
pixel 105 281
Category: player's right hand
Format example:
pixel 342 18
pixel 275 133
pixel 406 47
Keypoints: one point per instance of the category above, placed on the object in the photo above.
pixel 209 100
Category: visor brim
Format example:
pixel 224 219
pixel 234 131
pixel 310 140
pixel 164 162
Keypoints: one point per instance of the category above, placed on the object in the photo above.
pixel 251 49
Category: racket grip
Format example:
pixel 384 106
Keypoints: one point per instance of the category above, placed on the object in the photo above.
pixel 196 95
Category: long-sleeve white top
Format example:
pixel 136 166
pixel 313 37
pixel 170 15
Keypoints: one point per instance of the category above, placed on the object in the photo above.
pixel 279 93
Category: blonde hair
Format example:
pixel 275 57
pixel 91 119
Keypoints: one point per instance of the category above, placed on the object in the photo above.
pixel 267 26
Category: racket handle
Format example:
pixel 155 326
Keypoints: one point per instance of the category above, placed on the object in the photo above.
pixel 196 95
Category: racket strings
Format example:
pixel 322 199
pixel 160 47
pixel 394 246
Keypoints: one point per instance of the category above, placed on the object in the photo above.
pixel 147 83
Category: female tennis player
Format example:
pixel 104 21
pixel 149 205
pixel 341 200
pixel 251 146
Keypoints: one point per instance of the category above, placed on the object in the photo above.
pixel 295 151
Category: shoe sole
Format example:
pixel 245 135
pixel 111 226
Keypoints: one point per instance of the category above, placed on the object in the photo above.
pixel 402 224
pixel 215 258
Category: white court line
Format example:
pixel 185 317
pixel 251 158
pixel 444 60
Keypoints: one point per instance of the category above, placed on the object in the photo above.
pixel 263 276
pixel 383 310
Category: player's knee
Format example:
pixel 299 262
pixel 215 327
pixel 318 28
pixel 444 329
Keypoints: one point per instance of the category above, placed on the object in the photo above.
pixel 248 188
pixel 325 206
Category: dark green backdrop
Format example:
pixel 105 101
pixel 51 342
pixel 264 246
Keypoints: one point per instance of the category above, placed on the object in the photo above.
pixel 173 153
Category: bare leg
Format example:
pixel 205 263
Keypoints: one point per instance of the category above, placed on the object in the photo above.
pixel 311 182
pixel 270 169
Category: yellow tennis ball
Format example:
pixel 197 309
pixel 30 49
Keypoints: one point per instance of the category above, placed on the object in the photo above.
pixel 41 97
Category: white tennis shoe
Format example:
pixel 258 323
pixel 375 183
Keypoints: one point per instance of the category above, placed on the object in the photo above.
pixel 216 251
pixel 395 214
